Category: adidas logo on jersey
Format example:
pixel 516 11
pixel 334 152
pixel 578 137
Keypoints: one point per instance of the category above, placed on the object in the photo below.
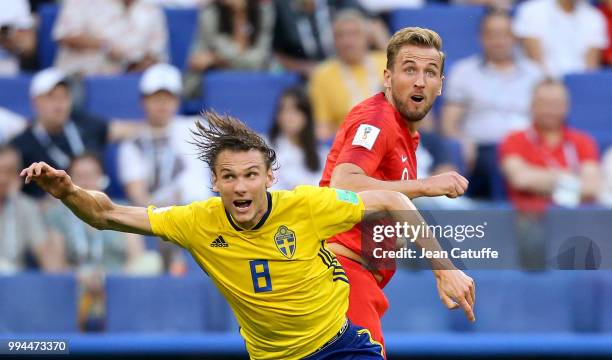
pixel 219 242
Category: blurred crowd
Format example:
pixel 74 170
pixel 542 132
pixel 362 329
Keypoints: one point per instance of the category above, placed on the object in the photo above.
pixel 504 112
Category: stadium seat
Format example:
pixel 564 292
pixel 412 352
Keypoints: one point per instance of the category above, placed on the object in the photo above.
pixel 579 239
pixel 46 46
pixel 604 311
pixel 36 303
pixel 164 304
pixel 519 302
pixel 414 304
pixel 113 96
pixel 182 24
pixel 457 25
pixel 591 104
pixel 15 94
pixel 111 169
pixel 250 96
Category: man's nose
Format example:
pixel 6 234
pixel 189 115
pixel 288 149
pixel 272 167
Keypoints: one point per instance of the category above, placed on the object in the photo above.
pixel 420 80
pixel 240 186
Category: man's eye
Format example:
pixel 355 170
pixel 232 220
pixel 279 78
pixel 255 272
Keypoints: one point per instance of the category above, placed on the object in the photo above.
pixel 228 177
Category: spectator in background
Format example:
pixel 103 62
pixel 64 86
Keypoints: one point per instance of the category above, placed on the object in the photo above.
pixel 550 162
pixel 232 34
pixel 109 36
pixel 11 125
pixel 606 8
pixel 303 33
pixel 605 196
pixel 92 253
pixel 179 3
pixel 54 136
pixel 293 137
pixel 355 74
pixel 487 96
pixel 565 36
pixel 157 166
pixel 22 228
pixel 17 37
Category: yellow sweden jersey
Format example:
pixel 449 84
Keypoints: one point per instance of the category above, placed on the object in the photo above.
pixel 287 290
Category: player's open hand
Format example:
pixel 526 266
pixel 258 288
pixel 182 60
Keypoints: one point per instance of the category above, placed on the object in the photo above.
pixel 55 182
pixel 450 184
pixel 457 290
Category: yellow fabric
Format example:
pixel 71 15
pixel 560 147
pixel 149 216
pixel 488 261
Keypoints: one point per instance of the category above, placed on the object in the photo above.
pixel 331 99
pixel 302 302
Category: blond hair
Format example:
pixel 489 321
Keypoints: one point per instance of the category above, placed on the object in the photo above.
pixel 416 36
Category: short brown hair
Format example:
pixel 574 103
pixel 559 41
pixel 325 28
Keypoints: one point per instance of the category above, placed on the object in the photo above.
pixel 224 132
pixel 414 36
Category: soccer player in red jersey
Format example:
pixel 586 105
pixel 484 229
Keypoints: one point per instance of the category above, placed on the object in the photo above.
pixel 375 149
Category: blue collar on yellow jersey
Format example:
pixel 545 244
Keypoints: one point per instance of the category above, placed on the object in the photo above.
pixel 260 223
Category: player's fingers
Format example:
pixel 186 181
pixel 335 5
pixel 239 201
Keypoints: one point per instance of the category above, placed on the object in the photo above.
pixel 448 302
pixel 473 292
pixel 469 312
pixel 460 189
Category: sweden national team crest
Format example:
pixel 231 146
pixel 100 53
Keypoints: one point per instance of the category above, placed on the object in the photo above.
pixel 285 241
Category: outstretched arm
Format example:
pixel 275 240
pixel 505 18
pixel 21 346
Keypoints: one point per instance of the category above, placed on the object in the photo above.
pixel 93 207
pixel 351 177
pixel 455 288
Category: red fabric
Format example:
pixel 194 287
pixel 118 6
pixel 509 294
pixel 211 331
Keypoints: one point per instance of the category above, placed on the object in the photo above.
pixel 535 152
pixel 367 302
pixel 607 13
pixel 392 157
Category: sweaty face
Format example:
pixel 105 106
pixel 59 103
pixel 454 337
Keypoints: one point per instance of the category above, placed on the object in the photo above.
pixel 241 178
pixel 160 107
pixel 415 81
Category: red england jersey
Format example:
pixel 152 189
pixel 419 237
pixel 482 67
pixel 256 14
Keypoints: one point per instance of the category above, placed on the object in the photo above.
pixel 375 137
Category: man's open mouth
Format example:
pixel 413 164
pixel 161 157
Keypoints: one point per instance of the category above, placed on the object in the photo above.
pixel 242 204
pixel 417 98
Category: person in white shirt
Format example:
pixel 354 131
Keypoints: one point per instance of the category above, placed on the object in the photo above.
pixel 486 97
pixel 292 136
pixel 157 166
pixel 98 37
pixel 565 36
pixel 17 35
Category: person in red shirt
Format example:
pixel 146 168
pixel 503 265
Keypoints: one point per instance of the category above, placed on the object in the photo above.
pixel 550 162
pixel 375 149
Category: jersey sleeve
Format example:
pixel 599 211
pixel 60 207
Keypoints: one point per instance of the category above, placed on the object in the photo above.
pixel 333 211
pixel 173 223
pixel 366 145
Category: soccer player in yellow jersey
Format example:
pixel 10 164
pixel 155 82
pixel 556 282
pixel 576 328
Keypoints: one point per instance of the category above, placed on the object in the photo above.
pixel 265 251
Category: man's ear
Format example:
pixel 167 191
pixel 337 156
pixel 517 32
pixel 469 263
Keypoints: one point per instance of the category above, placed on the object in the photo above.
pixel 269 178
pixel 441 85
pixel 214 183
pixel 387 78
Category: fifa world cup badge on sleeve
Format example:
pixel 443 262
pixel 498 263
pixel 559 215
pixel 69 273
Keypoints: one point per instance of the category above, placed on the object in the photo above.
pixel 347 196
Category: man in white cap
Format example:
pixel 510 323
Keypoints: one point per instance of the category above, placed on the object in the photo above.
pixel 56 137
pixel 157 166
